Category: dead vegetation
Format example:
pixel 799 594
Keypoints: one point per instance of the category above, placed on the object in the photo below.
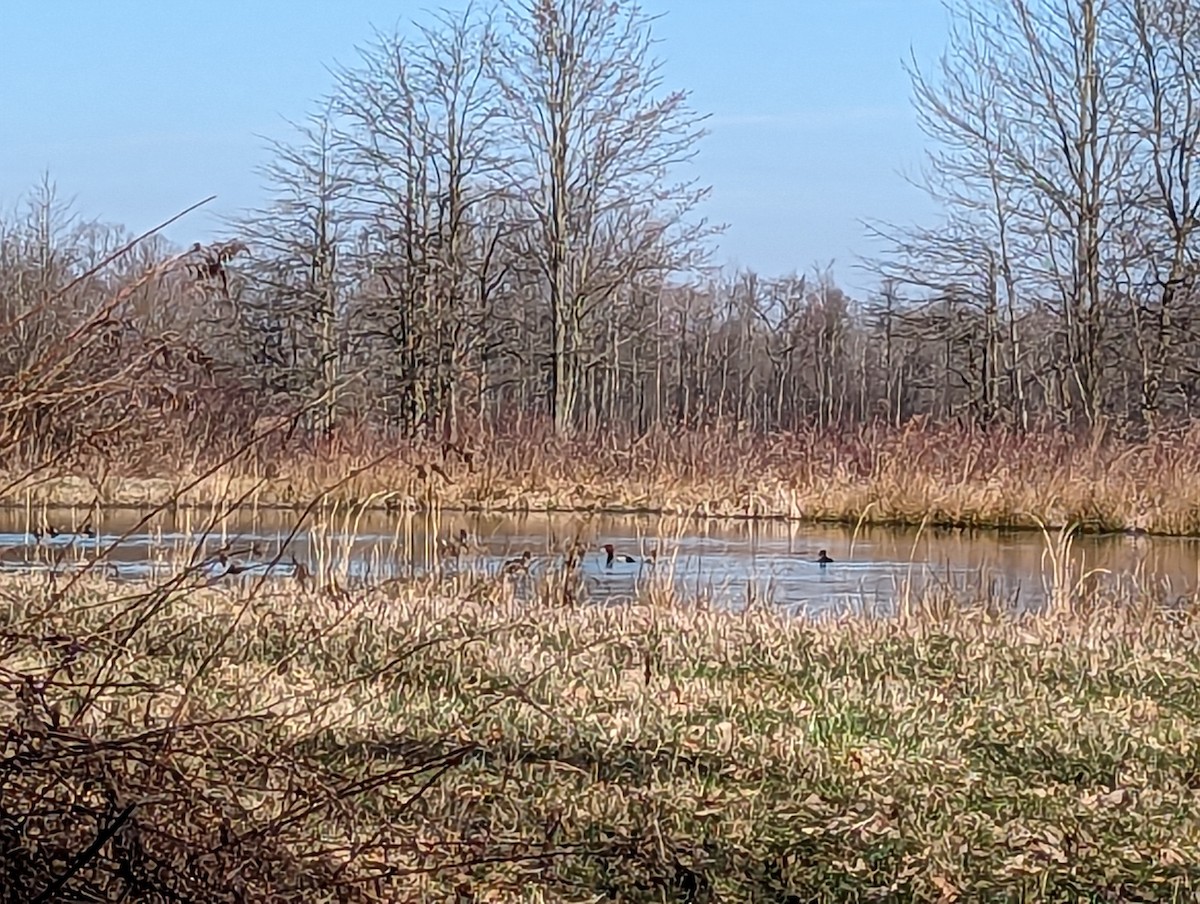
pixel 937 475
pixel 441 737
pixel 449 738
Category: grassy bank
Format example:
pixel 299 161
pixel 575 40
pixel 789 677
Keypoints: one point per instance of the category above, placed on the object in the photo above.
pixel 943 475
pixel 431 740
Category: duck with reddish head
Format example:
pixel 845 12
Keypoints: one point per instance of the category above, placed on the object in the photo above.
pixel 612 556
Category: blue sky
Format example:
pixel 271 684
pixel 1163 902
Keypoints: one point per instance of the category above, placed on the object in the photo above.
pixel 139 109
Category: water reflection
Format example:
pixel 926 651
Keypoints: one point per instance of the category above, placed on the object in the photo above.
pixel 727 562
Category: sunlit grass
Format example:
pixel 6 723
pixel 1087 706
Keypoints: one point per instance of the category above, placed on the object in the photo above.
pixel 659 750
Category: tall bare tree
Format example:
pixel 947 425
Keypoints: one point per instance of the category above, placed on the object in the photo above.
pixel 600 146
pixel 286 316
pixel 1160 204
pixel 1026 110
pixel 419 128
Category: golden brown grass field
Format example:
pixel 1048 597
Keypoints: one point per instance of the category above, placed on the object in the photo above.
pixel 936 475
pixel 471 738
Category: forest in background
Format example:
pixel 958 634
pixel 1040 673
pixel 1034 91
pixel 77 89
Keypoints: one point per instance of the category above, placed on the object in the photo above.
pixel 491 222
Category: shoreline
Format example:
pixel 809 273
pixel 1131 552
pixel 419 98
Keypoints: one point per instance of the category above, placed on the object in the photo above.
pixel 900 523
pixel 936 479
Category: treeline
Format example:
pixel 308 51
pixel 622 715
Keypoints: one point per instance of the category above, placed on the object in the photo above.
pixel 490 218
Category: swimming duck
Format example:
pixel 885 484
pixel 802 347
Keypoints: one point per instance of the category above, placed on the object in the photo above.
pixel 823 559
pixel 300 572
pixel 231 567
pixel 454 546
pixel 512 566
pixel 613 557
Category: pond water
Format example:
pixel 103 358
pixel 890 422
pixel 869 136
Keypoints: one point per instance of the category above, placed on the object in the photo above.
pixel 726 562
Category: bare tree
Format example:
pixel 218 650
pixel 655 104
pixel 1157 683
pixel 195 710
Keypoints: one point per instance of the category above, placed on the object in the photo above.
pixel 419 128
pixel 286 318
pixel 600 145
pixel 1026 110
pixel 1157 225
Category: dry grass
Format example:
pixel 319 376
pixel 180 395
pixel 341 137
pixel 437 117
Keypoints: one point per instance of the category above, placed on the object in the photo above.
pixel 439 740
pixel 940 475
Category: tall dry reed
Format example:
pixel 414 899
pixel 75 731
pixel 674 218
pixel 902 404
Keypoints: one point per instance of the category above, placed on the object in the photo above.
pixel 938 475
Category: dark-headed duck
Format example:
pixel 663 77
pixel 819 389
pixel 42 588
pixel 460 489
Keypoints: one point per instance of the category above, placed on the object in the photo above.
pixel 455 546
pixel 512 566
pixel 613 557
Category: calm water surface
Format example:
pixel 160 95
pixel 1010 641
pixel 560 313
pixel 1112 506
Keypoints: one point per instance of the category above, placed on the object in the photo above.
pixel 727 562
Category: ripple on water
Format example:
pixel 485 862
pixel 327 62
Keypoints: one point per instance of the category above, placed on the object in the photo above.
pixel 726 562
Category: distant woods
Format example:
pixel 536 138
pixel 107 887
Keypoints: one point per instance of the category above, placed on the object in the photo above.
pixel 1061 280
pixel 493 218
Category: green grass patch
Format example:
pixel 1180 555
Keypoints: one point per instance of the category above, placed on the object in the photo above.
pixel 428 744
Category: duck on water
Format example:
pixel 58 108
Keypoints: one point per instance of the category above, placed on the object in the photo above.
pixel 50 532
pixel 613 557
pixel 518 566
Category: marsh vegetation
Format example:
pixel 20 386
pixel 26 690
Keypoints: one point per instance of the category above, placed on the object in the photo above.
pixel 481 284
pixel 414 741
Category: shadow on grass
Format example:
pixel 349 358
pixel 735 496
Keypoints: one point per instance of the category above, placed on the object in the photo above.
pixel 625 764
pixel 1040 764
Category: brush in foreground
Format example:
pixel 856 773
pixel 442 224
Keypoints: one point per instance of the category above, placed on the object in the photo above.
pixel 440 739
